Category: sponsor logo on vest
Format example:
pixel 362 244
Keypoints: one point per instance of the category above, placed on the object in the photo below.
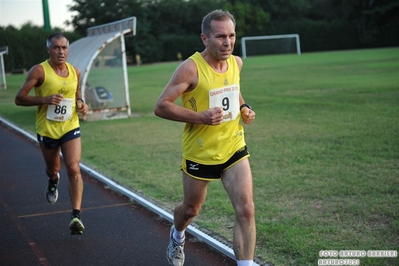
pixel 228 116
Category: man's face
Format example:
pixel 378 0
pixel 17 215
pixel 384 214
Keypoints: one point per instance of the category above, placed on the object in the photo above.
pixel 58 50
pixel 221 40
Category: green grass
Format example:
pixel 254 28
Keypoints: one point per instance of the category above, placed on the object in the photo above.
pixel 324 151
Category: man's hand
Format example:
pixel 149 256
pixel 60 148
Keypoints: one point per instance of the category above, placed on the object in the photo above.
pixel 54 99
pixel 81 107
pixel 247 115
pixel 212 116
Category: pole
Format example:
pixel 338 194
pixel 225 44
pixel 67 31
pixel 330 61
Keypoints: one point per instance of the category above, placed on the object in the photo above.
pixel 46 15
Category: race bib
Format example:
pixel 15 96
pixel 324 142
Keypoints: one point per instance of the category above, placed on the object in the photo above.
pixel 61 112
pixel 227 98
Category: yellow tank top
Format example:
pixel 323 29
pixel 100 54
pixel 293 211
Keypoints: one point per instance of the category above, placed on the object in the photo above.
pixel 54 84
pixel 207 144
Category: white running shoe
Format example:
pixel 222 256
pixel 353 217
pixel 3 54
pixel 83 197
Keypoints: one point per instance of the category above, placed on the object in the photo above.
pixel 51 191
pixel 175 252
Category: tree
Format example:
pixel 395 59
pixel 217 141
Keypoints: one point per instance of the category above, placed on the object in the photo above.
pixel 250 19
pixel 283 10
pixel 375 20
pixel 91 13
pixel 157 22
pixel 165 27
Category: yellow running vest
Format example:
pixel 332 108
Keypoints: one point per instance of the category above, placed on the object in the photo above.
pixel 206 144
pixel 64 116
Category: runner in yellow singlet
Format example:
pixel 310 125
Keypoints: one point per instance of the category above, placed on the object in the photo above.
pixel 58 100
pixel 213 139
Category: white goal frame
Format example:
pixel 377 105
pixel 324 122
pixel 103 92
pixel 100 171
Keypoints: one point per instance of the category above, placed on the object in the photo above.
pixel 268 37
pixel 3 83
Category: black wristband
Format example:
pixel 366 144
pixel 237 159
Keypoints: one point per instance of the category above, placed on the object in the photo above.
pixel 245 105
pixel 80 99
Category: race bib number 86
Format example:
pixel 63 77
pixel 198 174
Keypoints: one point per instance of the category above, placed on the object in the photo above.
pixel 228 99
pixel 61 112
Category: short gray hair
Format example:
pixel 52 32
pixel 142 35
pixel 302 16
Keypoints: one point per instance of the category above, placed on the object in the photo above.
pixel 219 15
pixel 57 35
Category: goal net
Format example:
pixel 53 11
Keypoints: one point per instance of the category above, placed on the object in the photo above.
pixel 3 84
pixel 270 44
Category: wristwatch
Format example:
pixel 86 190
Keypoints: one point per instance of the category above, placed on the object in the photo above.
pixel 80 99
pixel 245 105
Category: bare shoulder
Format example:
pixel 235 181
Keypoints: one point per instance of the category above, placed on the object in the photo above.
pixel 36 73
pixel 77 70
pixel 34 78
pixel 186 73
pixel 188 66
pixel 36 69
pixel 239 61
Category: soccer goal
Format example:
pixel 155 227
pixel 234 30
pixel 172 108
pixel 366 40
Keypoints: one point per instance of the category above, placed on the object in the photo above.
pixel 270 44
pixel 3 84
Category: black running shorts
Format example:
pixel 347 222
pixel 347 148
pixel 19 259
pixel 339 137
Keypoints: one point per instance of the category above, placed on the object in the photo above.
pixel 50 143
pixel 212 172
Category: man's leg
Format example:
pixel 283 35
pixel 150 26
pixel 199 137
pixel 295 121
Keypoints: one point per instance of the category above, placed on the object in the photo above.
pixel 52 160
pixel 71 151
pixel 194 195
pixel 237 181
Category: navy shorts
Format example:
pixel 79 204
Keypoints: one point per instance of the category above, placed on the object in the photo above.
pixel 50 143
pixel 212 172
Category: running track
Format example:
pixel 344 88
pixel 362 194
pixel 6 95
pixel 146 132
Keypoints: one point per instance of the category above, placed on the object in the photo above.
pixel 120 230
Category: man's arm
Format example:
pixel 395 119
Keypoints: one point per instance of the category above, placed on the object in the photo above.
pixel 183 79
pixel 81 106
pixel 247 114
pixel 35 78
pixel 78 89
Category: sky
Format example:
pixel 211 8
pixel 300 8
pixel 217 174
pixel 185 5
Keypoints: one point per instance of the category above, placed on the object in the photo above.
pixel 18 12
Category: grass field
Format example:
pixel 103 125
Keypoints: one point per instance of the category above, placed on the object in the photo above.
pixel 324 152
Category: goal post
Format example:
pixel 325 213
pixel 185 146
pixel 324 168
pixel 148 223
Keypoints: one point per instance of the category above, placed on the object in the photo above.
pixel 3 51
pixel 270 44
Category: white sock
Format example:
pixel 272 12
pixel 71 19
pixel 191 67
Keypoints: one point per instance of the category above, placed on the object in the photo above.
pixel 245 262
pixel 179 236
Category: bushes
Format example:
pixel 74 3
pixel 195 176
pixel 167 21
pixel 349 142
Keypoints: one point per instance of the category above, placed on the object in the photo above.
pixel 165 28
pixel 26 46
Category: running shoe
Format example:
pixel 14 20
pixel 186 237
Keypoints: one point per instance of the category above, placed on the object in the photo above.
pixel 51 191
pixel 76 226
pixel 175 251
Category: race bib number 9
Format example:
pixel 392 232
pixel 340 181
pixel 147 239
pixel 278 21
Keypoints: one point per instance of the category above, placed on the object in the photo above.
pixel 228 99
pixel 61 112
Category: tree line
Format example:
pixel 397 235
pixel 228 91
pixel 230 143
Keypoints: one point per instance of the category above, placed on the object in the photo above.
pixel 168 27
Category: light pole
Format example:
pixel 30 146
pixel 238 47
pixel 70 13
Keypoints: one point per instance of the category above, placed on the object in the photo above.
pixel 46 16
